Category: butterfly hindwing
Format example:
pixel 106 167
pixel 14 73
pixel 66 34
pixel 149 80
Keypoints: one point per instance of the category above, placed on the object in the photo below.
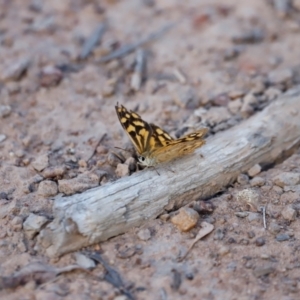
pixel 181 146
pixel 159 138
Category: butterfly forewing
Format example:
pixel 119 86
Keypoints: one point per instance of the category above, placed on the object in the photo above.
pixel 137 129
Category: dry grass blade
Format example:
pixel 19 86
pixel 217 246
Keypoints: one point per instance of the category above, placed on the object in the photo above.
pixel 205 230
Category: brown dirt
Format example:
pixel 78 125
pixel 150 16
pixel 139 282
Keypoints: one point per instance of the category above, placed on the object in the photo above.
pixel 235 58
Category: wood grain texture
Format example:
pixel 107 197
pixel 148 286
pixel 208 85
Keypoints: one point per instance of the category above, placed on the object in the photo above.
pixel 114 208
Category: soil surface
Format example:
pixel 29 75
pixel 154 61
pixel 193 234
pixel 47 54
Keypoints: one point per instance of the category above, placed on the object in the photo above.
pixel 190 64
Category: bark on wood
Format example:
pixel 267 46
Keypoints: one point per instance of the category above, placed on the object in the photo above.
pixel 114 208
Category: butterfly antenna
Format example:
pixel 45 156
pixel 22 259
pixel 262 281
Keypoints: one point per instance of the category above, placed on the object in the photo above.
pixel 122 149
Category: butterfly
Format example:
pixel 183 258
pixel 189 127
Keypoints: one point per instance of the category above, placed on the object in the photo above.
pixel 153 144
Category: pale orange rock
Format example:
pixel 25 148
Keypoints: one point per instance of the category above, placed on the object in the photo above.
pixel 186 219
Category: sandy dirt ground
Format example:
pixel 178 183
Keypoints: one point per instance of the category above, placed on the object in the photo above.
pixel 191 64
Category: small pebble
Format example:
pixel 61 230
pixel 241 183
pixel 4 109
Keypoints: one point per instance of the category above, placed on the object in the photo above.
pixel 220 100
pixel 289 213
pixel 242 214
pixel 281 237
pixel 260 241
pixel 272 93
pixel 33 224
pixel 244 242
pixel 13 87
pixel 231 240
pixel 224 250
pixel 258 87
pixel 247 110
pixel 293 188
pixel 250 234
pixel 15 70
pixel 210 220
pixel 48 188
pixel 185 96
pixel 250 99
pixel 253 35
pixel 19 153
pixel 50 76
pixel 54 172
pixel 252 216
pixel 286 178
pixel 249 197
pixel 41 162
pixel 255 170
pixel 108 90
pixel 22 246
pixel 126 251
pixel 121 297
pixel 84 261
pixel 2 138
pixel 37 178
pixel 242 179
pixel 231 266
pixel 82 163
pixel 231 53
pixel 5 111
pixel 266 188
pixel 144 234
pixel 235 105
pixel 17 223
pixel 164 217
pixel 122 170
pixel 203 207
pixel 189 276
pixel 265 256
pixel 109 87
pixel 257 181
pixel 236 94
pixel 102 149
pixel 263 270
pixel 3 195
pixel 186 219
pixel 219 234
pixel 277 189
pixel 284 76
pixel 214 115
pixel 274 228
pixel 113 65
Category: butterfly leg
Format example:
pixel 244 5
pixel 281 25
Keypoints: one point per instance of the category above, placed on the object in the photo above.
pixel 147 167
pixel 155 170
pixel 170 170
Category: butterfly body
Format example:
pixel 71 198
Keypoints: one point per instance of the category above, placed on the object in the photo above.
pixel 153 144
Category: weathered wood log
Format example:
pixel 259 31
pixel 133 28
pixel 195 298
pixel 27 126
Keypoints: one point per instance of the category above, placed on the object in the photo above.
pixel 112 209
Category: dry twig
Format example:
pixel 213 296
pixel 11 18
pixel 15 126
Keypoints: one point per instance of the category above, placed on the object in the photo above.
pixel 114 208
pixel 131 47
pixel 92 41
